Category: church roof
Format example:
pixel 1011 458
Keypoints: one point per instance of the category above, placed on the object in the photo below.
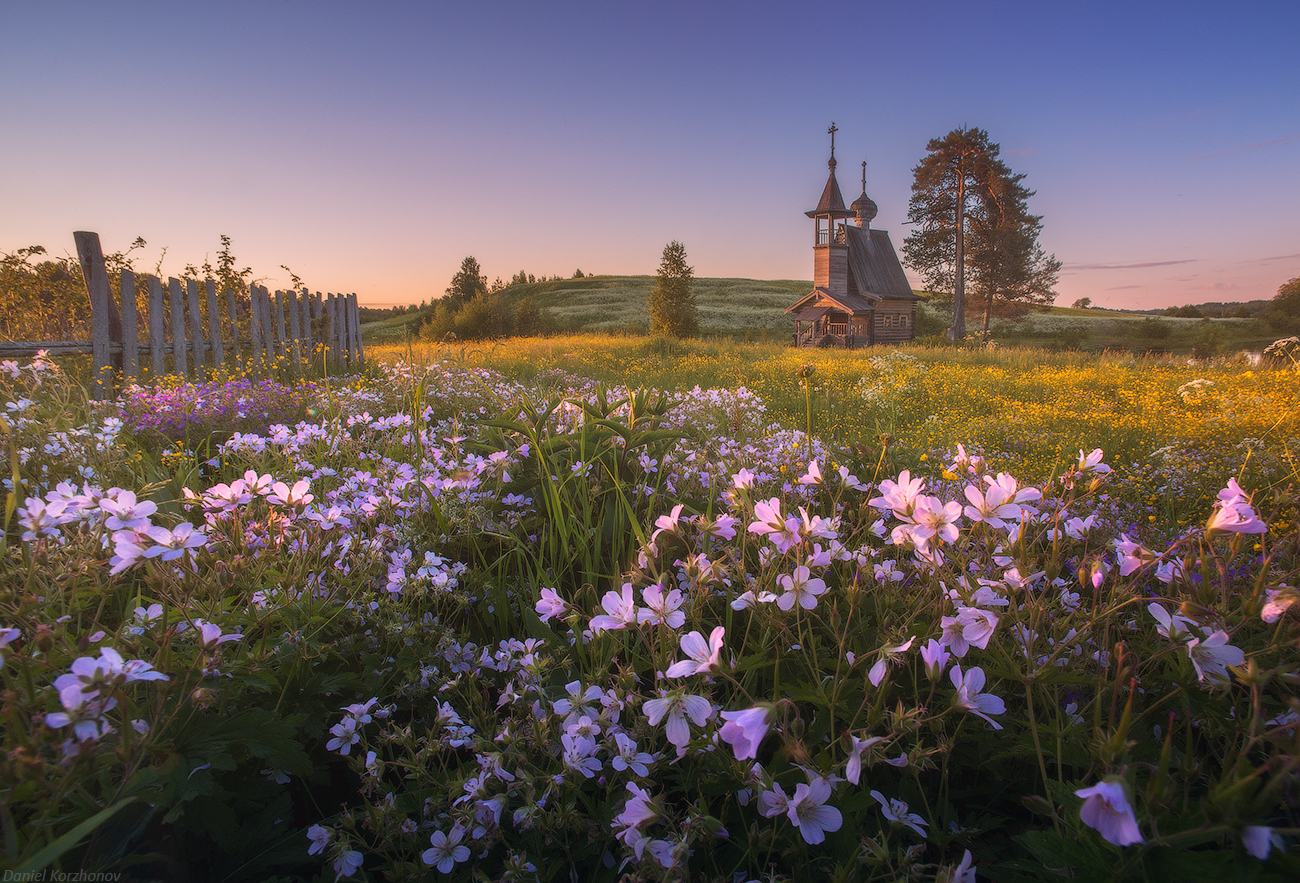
pixel 874 265
pixel 832 202
pixel 849 303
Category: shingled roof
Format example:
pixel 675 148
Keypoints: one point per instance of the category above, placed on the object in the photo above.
pixel 874 265
pixel 832 202
pixel 849 303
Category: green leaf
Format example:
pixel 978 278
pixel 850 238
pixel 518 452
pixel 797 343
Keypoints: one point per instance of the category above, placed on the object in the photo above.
pixel 51 853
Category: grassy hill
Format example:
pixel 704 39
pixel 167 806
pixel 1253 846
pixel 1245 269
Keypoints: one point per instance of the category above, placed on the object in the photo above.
pixel 756 308
pixel 616 303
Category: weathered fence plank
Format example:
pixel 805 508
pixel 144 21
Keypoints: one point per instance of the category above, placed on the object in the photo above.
pixel 255 326
pixel 157 338
pixel 233 315
pixel 130 327
pixel 335 329
pixel 291 304
pixel 317 326
pixel 304 305
pixel 180 360
pixel 214 326
pixel 198 343
pixel 96 279
pixel 279 325
pixel 356 324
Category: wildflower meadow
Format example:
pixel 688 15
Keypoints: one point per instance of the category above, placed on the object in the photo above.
pixel 573 613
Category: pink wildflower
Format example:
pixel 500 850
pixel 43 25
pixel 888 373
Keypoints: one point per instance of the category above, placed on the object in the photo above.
pixel 1106 809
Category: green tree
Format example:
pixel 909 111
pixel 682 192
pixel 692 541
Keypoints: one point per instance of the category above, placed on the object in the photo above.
pixel 672 302
pixel 972 219
pixel 468 282
pixel 1008 266
pixel 1083 303
pixel 530 321
pixel 1284 309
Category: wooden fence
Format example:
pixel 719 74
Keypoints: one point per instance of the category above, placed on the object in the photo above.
pixel 286 329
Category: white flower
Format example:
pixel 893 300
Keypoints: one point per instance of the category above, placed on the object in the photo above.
pixel 639 810
pixel 807 811
pixel 319 837
pixel 969 698
pixel 446 850
pixel 783 532
pixel 745 730
pixel 853 770
pixel 1106 808
pixel 347 863
pixel 801 588
pixel 899 496
pixel 550 604
pixel 1259 841
pixel 210 634
pixel 1171 625
pixel 620 611
pixel 676 707
pixel 897 811
pixel 629 758
pixel 1212 657
pixel 703 656
pixel 661 608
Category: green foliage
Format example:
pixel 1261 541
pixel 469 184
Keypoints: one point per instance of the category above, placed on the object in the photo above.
pixel 1208 340
pixel 1153 329
pixel 1284 310
pixel 468 282
pixel 486 316
pixel 973 222
pixel 672 302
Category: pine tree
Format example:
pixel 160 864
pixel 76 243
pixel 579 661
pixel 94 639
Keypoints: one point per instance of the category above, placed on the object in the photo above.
pixel 672 302
pixel 468 282
pixel 973 221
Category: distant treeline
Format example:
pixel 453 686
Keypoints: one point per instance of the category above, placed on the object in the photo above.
pixel 1218 310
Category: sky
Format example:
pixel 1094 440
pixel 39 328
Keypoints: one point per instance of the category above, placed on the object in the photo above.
pixel 371 146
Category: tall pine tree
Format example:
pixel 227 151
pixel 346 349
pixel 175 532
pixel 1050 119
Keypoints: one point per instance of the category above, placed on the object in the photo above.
pixel 672 302
pixel 973 223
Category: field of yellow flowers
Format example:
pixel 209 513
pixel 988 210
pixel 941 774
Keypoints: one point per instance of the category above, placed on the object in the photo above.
pixel 1178 426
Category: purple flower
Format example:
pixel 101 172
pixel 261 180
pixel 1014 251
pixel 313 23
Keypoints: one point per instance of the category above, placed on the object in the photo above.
pixel 1106 808
pixel 745 730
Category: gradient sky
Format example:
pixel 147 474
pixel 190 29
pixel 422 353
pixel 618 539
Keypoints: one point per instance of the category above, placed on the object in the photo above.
pixel 373 145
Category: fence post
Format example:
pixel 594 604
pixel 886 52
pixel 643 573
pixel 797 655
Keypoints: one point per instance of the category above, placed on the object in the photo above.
pixel 233 314
pixel 304 304
pixel 254 329
pixel 268 329
pixel 279 325
pixel 356 329
pixel 180 353
pixel 157 336
pixel 346 338
pixel 197 342
pixel 130 328
pixel 214 326
pixel 95 276
pixel 335 331
pixel 320 330
pixel 291 303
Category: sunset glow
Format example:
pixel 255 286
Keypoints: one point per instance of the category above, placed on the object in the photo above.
pixel 372 147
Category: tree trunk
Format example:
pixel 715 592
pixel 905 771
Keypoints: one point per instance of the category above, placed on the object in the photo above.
pixel 988 309
pixel 959 285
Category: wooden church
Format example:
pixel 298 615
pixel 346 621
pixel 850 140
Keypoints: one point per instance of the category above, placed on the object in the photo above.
pixel 860 295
